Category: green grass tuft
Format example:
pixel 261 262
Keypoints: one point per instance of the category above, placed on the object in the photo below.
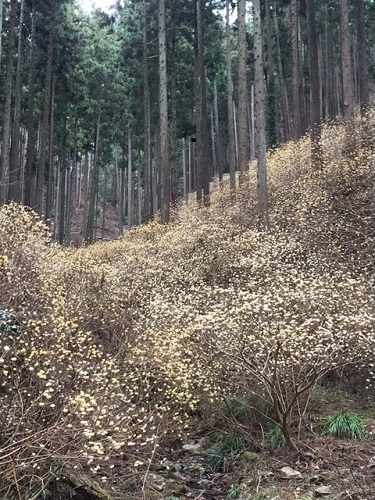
pixel 344 425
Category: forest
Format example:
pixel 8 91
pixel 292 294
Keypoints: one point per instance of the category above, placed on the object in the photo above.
pixel 187 250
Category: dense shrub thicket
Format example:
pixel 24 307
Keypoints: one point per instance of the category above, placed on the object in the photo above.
pixel 118 344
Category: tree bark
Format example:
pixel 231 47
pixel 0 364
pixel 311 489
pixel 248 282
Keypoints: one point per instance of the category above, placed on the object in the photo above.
pixel 163 110
pixel 260 121
pixel 295 71
pixel 314 77
pixel 218 145
pixel 94 186
pixel 63 169
pixel 147 121
pixel 41 173
pixel 1 26
pixel 231 146
pixel 284 93
pixel 347 76
pixel 202 144
pixel 243 132
pixel 173 121
pixel 130 181
pixel 30 113
pixel 272 118
pixel 7 116
pixel 15 158
pixel 51 166
pixel 362 57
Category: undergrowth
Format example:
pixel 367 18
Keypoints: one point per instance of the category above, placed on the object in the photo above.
pixel 119 344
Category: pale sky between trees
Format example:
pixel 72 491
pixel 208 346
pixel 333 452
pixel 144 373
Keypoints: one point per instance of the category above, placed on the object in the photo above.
pixel 90 4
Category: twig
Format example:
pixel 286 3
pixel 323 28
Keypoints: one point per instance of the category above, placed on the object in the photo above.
pixel 16 480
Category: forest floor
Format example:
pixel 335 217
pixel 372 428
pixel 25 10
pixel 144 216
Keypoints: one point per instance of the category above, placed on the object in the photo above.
pixel 324 466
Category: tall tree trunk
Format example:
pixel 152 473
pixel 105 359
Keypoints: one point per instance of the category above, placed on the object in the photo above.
pixel 231 146
pixel 315 120
pixel 147 121
pixel 94 187
pixel 260 120
pixel 243 132
pixel 63 169
pixel 163 110
pixel 173 121
pixel 15 157
pixel 347 76
pixel 1 26
pixel 85 194
pixel 287 133
pixel 30 149
pixel 7 115
pixel 41 173
pixel 295 71
pixel 72 194
pixel 202 144
pixel 272 119
pixel 218 145
pixel 362 57
pixel 184 170
pixel 51 166
pixel 139 197
pixel 130 181
pixel 121 201
pixel 104 203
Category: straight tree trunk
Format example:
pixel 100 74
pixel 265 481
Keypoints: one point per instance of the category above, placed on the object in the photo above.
pixel 15 157
pixel 252 121
pixel 190 166
pixel 235 133
pixel 147 121
pixel 41 173
pixel 260 120
pixel 295 71
pixel 94 187
pixel 85 194
pixel 1 26
pixel 272 118
pixel 139 197
pixel 231 146
pixel 347 76
pixel 202 144
pixel 163 110
pixel 184 170
pixel 63 169
pixel 51 166
pixel 121 201
pixel 302 84
pixel 314 77
pixel 130 181
pixel 155 184
pixel 173 121
pixel 72 194
pixel 218 145
pixel 284 93
pixel 243 132
pixel 104 203
pixel 362 57
pixel 7 114
pixel 30 149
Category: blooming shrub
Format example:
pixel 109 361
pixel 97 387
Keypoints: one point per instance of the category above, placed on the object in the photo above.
pixel 120 343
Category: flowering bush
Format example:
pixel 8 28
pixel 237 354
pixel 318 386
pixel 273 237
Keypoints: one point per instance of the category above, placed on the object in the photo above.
pixel 118 344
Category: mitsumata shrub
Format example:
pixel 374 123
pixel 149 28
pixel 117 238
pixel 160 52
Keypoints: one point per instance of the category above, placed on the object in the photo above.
pixel 120 343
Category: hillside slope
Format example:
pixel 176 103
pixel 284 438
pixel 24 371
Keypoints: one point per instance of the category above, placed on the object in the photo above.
pixel 118 348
